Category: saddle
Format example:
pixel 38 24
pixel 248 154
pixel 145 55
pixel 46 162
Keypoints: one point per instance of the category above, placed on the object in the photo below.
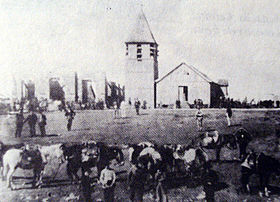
pixel 28 157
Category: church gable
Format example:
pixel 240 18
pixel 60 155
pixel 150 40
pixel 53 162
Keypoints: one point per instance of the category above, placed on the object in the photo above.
pixel 185 73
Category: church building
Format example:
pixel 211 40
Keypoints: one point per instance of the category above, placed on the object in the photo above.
pixel 188 85
pixel 185 83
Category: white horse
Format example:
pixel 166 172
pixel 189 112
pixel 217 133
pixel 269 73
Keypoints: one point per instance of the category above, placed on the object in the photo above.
pixel 52 152
pixel 14 159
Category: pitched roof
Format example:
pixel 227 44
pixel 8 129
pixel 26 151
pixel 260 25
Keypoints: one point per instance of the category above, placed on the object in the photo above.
pixel 223 82
pixel 142 31
pixel 199 73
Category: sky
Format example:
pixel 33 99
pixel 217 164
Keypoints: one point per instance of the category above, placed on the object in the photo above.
pixel 234 40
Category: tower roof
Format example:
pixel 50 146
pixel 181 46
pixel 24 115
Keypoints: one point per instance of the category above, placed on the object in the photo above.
pixel 141 31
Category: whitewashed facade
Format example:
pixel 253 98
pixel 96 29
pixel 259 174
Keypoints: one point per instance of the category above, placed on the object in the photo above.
pixel 184 83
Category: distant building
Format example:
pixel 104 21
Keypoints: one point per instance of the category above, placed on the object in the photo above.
pixel 83 87
pixel 141 68
pixel 30 90
pixel 88 94
pixel 56 89
pixel 188 85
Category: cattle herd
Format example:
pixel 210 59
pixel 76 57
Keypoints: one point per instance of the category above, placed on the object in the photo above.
pixel 151 165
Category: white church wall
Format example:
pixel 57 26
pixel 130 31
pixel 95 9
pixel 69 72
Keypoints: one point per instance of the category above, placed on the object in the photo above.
pixel 198 88
pixel 139 81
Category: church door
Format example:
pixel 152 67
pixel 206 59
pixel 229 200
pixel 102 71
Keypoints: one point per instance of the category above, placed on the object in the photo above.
pixel 183 93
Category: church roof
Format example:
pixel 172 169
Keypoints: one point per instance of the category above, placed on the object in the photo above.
pixel 142 31
pixel 199 73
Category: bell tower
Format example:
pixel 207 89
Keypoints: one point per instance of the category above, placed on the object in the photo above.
pixel 141 68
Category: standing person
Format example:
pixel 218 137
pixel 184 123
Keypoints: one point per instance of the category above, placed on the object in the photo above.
pixel 19 123
pixel 70 114
pixel 122 109
pixel 87 183
pixel 210 178
pixel 129 102
pixel 42 123
pixel 229 115
pixel 199 118
pixel 136 183
pixel 137 106
pixel 107 180
pixel 32 120
pixel 115 106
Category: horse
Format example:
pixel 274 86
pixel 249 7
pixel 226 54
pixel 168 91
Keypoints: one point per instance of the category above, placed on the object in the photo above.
pixel 24 159
pixel 4 148
pixel 73 156
pixel 243 138
pixel 52 152
pixel 214 140
pixel 262 165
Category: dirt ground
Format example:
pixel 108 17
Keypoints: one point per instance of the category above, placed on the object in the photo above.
pixel 156 126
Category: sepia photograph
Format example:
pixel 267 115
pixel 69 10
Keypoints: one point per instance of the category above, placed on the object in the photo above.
pixel 139 101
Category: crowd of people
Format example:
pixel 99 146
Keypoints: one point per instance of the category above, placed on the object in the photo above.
pixel 107 176
pixel 120 111
pixel 34 118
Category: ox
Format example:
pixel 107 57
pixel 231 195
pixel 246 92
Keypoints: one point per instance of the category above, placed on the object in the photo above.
pixel 135 149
